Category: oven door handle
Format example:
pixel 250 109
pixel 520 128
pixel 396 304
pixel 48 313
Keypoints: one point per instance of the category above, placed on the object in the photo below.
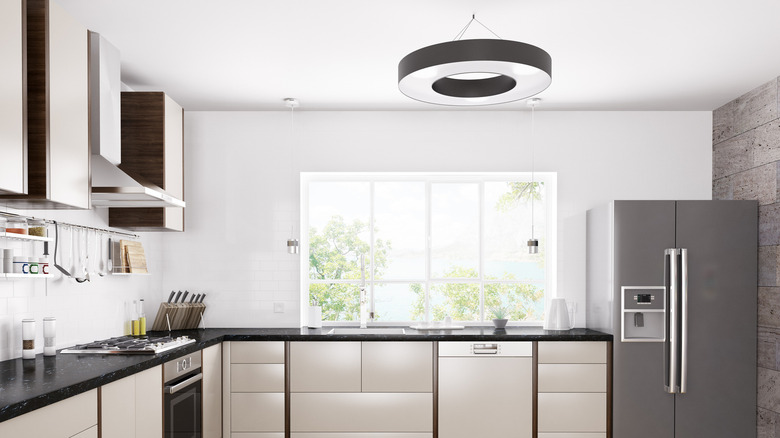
pixel 173 389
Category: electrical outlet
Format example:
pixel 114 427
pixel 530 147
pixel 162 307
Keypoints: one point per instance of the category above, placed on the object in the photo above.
pixel 278 307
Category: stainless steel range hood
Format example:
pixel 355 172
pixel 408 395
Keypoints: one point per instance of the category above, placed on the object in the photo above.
pixel 111 186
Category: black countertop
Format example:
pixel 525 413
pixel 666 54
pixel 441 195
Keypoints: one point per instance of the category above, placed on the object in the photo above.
pixel 26 385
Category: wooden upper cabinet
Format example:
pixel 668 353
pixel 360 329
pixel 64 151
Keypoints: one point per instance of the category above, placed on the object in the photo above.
pixel 58 149
pixel 153 149
pixel 13 117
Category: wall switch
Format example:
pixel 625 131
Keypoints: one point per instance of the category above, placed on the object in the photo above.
pixel 278 307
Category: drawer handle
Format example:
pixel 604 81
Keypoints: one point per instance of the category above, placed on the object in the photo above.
pixel 484 348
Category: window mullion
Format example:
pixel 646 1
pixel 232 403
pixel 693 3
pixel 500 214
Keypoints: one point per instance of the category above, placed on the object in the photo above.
pixel 371 307
pixel 428 225
pixel 481 274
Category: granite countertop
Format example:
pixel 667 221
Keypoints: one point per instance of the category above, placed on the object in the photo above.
pixel 26 385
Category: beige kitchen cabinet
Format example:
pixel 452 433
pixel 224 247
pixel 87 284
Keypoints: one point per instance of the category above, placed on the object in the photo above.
pixel 13 69
pixel 58 138
pixel 360 435
pixel 397 366
pixel 361 389
pixel 325 367
pixel 132 407
pixel 212 391
pixel 153 150
pixel 572 389
pixel 254 389
pixel 76 416
pixel 92 432
pixel 360 412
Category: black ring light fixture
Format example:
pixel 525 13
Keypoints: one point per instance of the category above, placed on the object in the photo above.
pixel 475 72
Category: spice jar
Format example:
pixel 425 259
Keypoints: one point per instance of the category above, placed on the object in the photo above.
pixel 28 339
pixel 16 226
pixel 36 227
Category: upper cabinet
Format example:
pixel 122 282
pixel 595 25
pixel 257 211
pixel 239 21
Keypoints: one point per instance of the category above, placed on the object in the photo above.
pixel 58 150
pixel 152 147
pixel 13 139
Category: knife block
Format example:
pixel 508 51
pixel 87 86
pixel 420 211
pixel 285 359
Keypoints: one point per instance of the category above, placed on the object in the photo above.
pixel 182 316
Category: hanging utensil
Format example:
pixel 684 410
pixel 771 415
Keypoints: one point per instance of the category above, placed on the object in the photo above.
pixel 79 271
pixel 56 244
pixel 109 261
pixel 101 270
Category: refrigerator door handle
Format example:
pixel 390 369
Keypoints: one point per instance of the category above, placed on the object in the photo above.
pixel 670 345
pixel 683 320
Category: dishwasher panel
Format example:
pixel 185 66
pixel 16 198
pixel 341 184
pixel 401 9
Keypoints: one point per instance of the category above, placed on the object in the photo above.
pixel 485 389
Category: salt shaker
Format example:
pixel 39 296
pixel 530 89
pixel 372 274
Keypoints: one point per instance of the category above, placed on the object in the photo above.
pixel 49 336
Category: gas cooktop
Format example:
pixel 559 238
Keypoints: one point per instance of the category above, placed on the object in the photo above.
pixel 130 345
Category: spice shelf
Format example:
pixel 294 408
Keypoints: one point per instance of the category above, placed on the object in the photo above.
pixel 26 237
pixel 30 276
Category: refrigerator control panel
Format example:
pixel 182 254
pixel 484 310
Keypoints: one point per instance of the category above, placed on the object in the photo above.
pixel 642 314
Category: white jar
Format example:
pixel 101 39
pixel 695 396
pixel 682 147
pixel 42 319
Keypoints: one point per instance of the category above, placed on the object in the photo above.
pixel 21 265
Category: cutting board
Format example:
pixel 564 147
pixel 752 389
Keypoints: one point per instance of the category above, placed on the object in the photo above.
pixel 133 256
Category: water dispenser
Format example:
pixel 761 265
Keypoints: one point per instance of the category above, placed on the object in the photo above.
pixel 642 313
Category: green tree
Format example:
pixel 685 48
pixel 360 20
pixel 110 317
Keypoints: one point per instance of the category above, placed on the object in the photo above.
pixel 461 300
pixel 519 192
pixel 334 254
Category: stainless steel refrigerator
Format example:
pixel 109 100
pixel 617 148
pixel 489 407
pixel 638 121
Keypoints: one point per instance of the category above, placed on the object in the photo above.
pixel 675 282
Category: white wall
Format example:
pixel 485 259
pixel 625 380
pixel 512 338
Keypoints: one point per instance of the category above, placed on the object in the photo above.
pixel 240 205
pixel 86 311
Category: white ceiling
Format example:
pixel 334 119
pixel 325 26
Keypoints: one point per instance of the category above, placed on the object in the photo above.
pixel 343 54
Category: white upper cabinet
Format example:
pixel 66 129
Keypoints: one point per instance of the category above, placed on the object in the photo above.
pixel 13 141
pixel 58 140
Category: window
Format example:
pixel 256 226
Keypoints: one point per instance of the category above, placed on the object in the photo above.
pixel 427 246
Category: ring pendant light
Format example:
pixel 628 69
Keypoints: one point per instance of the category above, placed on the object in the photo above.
pixel 475 71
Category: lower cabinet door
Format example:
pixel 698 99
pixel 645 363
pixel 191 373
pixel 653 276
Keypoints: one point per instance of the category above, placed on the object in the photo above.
pixel 572 412
pixel 573 435
pixel 257 412
pixel 92 432
pixel 361 412
pixel 257 435
pixel 63 419
pixel 361 435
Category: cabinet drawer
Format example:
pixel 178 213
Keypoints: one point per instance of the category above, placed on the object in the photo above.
pixel 397 366
pixel 361 435
pixel 325 367
pixel 89 433
pixel 572 412
pixel 572 377
pixel 572 352
pixel 257 435
pixel 258 412
pixel 572 435
pixel 60 420
pixel 361 412
pixel 254 377
pixel 257 352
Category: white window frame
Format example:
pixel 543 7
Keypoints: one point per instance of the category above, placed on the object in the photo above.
pixel 551 232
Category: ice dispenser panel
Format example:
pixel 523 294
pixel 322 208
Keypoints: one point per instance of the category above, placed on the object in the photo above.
pixel 642 311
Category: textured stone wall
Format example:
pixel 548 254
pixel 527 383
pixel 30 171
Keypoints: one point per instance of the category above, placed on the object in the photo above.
pixel 746 165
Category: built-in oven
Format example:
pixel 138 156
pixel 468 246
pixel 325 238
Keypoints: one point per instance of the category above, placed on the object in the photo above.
pixel 182 398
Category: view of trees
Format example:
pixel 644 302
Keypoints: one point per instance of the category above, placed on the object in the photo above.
pixel 334 254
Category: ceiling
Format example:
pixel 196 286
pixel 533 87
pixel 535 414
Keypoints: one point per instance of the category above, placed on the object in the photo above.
pixel 343 54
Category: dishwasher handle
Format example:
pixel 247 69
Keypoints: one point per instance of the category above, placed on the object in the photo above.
pixel 484 348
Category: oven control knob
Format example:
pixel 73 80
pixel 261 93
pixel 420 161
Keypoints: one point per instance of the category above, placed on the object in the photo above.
pixel 184 365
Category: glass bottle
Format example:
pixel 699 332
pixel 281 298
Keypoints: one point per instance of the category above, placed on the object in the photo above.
pixel 141 318
pixel 135 324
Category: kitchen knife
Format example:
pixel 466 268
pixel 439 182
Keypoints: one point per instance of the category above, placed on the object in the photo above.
pixel 194 297
pixel 202 297
pixel 176 300
pixel 170 298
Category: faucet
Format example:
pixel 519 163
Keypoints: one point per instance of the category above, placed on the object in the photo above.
pixel 363 297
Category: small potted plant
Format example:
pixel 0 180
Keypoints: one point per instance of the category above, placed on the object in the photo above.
pixel 499 317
